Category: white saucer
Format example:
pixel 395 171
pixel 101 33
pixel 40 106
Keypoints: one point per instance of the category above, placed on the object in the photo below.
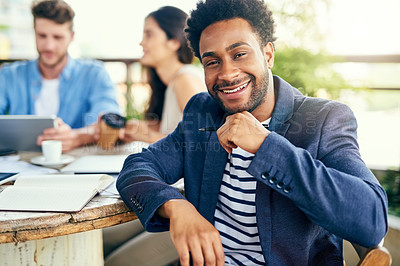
pixel 40 160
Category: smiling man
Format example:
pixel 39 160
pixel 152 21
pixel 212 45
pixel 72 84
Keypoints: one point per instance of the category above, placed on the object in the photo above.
pixel 281 181
pixel 77 91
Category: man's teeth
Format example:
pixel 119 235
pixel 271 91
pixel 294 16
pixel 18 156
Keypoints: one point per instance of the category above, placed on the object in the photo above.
pixel 235 90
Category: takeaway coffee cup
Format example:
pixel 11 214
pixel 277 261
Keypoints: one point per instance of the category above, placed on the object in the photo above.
pixel 110 125
pixel 52 150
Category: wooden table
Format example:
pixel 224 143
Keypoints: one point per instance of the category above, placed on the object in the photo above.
pixel 44 238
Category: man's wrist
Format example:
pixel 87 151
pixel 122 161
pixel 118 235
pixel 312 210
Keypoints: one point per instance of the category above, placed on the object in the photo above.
pixel 166 210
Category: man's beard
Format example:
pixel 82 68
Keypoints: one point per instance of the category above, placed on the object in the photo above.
pixel 43 62
pixel 257 96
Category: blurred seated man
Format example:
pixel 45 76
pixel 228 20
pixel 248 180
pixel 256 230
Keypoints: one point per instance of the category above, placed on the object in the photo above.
pixel 77 91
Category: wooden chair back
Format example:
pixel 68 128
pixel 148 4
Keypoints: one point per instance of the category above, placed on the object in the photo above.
pixel 375 256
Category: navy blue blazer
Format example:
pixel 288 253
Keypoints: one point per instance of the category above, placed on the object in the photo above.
pixel 313 188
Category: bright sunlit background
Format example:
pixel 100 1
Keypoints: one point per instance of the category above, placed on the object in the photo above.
pixel 113 29
pixel 311 28
pixel 107 28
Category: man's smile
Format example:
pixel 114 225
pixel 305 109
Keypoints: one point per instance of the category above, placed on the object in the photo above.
pixel 236 89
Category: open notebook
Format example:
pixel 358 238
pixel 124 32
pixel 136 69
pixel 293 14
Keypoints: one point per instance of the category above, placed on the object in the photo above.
pixel 56 193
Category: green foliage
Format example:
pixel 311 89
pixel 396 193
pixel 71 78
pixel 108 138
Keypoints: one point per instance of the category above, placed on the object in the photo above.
pixel 309 72
pixel 390 181
pixel 131 111
pixel 299 56
pixel 296 22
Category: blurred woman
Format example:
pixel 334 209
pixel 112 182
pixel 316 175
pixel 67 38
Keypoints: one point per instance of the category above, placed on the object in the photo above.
pixel 173 81
pixel 172 78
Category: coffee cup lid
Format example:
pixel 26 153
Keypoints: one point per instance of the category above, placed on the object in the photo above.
pixel 114 120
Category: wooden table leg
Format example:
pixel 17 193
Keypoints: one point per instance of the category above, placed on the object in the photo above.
pixel 84 248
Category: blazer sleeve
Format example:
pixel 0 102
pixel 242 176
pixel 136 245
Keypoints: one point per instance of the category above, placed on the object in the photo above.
pixel 335 189
pixel 145 179
pixel 144 182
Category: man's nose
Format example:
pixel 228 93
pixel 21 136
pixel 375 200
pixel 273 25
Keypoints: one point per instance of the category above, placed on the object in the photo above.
pixel 228 72
pixel 49 44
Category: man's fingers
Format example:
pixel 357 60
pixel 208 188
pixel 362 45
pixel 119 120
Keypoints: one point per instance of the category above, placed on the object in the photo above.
pixel 183 252
pixel 242 130
pixel 50 131
pixel 223 137
pixel 194 237
pixel 57 130
pixel 197 253
pixel 219 252
pixel 42 138
pixel 209 255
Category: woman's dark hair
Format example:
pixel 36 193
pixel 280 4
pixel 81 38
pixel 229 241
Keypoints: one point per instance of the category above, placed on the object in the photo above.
pixel 211 11
pixel 55 10
pixel 172 21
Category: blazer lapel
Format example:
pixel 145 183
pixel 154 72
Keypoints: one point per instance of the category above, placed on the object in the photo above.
pixel 279 127
pixel 284 107
pixel 214 166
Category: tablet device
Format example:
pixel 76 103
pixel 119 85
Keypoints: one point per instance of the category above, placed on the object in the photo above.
pixel 4 152
pixel 8 177
pixel 19 132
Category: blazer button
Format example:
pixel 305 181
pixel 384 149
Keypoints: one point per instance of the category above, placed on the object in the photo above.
pixel 272 180
pixel 140 209
pixel 287 189
pixel 280 185
pixel 265 175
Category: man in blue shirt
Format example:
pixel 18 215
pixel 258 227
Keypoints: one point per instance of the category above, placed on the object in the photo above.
pixel 77 91
pixel 271 177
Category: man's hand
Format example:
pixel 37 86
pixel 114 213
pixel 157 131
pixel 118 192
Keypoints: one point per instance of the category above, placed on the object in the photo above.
pixel 69 137
pixel 242 130
pixel 141 130
pixel 135 130
pixel 192 234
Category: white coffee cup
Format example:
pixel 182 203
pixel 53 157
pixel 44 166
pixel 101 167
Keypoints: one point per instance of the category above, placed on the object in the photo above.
pixel 52 150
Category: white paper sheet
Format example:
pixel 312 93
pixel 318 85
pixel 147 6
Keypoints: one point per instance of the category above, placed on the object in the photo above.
pixel 11 164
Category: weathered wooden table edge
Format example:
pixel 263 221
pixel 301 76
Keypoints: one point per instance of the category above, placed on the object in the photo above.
pixel 100 212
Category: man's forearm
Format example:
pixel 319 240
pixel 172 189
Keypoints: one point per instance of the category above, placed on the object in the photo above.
pixel 166 210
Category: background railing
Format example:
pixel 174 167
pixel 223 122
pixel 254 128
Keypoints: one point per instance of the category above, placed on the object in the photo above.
pixel 128 62
pixel 372 59
pixel 390 58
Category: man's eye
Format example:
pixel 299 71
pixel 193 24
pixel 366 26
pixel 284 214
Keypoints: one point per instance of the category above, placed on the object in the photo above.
pixel 239 55
pixel 211 63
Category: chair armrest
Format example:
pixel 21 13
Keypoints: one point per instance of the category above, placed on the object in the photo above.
pixel 374 256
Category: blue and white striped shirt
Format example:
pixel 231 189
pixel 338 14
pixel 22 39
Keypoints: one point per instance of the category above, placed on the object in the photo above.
pixel 235 215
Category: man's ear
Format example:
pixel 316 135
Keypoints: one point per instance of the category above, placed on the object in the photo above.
pixel 174 44
pixel 269 54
